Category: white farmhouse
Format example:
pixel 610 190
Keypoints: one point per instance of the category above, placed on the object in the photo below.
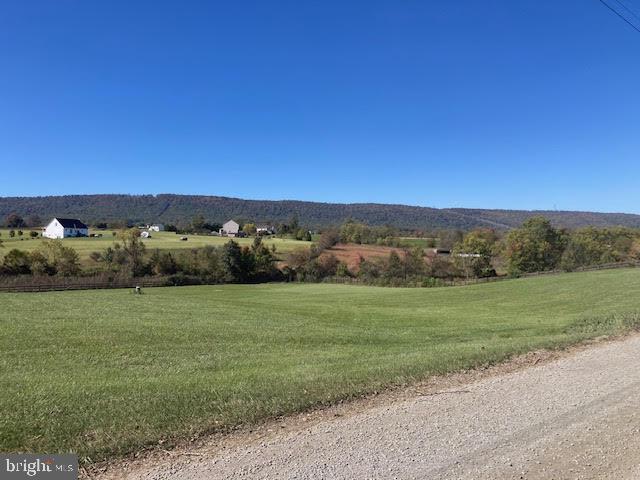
pixel 65 227
pixel 230 229
pixel 156 227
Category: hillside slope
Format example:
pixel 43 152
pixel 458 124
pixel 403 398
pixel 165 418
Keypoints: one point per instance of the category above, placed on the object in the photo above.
pixel 180 209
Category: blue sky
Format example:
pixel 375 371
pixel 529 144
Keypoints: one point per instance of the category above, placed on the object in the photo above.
pixel 495 104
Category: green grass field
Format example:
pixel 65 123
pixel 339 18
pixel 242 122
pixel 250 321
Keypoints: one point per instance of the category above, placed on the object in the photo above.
pixel 159 240
pixel 105 372
pixel 412 242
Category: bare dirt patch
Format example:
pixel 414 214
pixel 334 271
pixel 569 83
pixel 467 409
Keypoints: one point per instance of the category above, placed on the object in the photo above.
pixel 350 253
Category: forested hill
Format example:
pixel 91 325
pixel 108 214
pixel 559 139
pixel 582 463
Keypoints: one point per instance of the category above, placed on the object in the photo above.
pixel 180 209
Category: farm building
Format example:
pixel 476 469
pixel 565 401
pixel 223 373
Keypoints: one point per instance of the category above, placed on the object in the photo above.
pixel 230 229
pixel 156 227
pixel 265 230
pixel 65 227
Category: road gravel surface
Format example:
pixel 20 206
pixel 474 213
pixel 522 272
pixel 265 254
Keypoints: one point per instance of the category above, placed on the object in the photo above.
pixel 574 417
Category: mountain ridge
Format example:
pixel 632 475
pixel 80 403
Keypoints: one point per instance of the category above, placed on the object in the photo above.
pixel 180 209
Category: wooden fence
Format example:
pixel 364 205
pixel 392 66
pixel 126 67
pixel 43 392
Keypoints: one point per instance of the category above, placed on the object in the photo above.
pixel 78 283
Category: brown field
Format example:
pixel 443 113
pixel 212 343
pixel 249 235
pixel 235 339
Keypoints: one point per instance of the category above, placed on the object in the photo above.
pixel 350 253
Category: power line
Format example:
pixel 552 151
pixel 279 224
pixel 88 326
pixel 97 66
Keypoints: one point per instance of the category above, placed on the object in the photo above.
pixel 632 12
pixel 620 15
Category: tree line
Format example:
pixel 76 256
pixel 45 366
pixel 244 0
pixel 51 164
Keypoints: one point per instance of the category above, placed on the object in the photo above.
pixel 536 246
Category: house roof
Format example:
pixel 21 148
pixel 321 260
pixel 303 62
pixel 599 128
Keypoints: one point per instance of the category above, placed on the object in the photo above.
pixel 70 223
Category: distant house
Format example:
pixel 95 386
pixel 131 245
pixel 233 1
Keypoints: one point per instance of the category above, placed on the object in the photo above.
pixel 230 229
pixel 265 230
pixel 156 227
pixel 65 227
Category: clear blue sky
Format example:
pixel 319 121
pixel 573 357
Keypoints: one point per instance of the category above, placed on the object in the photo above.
pixel 504 104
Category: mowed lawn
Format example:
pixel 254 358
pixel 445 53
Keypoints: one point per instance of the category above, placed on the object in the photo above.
pixel 158 240
pixel 106 372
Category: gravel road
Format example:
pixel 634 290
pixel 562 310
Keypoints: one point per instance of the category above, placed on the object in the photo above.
pixel 574 417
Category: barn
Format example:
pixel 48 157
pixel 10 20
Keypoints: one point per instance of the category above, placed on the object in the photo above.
pixel 65 227
pixel 230 229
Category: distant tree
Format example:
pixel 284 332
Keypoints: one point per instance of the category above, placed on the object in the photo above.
pixel 197 224
pixel 102 225
pixel 298 257
pixel 210 227
pixel 14 220
pixel 163 263
pixel 294 224
pixel 126 255
pixel 473 255
pixel 634 250
pixel 593 246
pixel 114 257
pixel 448 238
pixel 414 262
pixel 328 238
pixel 394 268
pixel 232 262
pixel 33 234
pixel 302 233
pixel 342 270
pixel 20 233
pixel 34 221
pixel 16 262
pixel 170 228
pixel 68 263
pixel 369 270
pixel 536 246
pixel 263 260
pixel 355 232
pixel 442 267
pixel 122 224
pixel 327 266
pixel 134 250
pixel 60 259
pixel 249 228
pixel 40 264
pixel 12 233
